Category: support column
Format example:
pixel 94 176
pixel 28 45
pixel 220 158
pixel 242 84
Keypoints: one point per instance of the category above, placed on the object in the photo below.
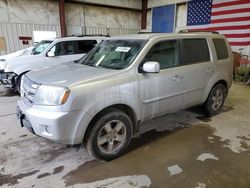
pixel 144 14
pixel 62 18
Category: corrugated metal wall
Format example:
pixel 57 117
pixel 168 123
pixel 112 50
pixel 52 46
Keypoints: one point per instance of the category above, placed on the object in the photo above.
pixel 12 31
pixel 71 30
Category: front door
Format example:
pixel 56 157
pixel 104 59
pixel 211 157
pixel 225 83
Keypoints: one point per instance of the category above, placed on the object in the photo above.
pixel 161 93
pixel 63 52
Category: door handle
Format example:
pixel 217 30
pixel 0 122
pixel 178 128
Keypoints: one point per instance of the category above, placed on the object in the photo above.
pixel 210 70
pixel 177 77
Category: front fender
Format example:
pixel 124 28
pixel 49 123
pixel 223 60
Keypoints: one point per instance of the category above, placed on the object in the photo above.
pixel 101 103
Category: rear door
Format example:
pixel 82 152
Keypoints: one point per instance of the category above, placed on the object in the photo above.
pixel 198 69
pixel 161 93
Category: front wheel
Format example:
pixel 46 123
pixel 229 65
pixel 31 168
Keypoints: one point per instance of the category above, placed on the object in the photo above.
pixel 215 100
pixel 110 135
pixel 18 83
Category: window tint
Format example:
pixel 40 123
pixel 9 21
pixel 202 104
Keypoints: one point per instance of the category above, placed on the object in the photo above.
pixel 64 48
pixel 165 53
pixel 221 48
pixel 194 51
pixel 84 46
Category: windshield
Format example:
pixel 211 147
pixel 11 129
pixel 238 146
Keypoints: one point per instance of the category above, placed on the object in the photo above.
pixel 40 47
pixel 114 54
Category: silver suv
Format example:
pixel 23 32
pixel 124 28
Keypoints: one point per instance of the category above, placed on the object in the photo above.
pixel 123 82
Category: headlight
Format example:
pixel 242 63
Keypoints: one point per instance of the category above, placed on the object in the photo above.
pixel 3 63
pixel 51 95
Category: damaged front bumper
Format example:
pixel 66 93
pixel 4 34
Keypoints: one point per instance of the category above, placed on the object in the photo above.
pixel 8 79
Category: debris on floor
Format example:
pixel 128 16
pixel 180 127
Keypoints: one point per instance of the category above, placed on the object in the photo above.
pixel 137 181
pixel 206 156
pixel 201 185
pixel 174 170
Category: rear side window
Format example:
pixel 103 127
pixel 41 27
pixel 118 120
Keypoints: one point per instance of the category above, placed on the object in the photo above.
pixel 84 46
pixel 194 51
pixel 221 48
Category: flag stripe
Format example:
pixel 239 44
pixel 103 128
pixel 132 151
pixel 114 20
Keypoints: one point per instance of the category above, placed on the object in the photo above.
pixel 236 15
pixel 219 25
pixel 232 7
pixel 240 2
pixel 240 31
pixel 240 35
pixel 222 1
pixel 241 10
pixel 239 43
pixel 231 19
pixel 238 39
pixel 235 27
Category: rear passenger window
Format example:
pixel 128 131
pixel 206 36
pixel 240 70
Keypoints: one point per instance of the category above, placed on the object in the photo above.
pixel 165 53
pixel 221 48
pixel 194 51
pixel 84 46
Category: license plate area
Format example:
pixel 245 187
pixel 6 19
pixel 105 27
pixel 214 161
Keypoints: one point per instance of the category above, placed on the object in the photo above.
pixel 24 120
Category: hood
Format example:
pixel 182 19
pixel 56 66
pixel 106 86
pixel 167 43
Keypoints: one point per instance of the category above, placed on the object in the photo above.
pixel 12 64
pixel 26 51
pixel 69 74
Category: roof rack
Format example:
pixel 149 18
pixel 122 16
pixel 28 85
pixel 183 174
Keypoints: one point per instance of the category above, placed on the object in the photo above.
pixel 193 31
pixel 82 35
pixel 147 32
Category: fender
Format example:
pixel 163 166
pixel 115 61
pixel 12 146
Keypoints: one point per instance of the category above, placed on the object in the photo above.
pixel 216 78
pixel 91 110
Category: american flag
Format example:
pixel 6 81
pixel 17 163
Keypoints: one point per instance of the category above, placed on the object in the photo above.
pixel 228 17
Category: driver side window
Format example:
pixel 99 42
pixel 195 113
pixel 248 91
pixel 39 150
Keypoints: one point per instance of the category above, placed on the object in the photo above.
pixel 165 53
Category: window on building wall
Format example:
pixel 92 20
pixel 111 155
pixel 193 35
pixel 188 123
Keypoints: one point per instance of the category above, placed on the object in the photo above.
pixel 38 36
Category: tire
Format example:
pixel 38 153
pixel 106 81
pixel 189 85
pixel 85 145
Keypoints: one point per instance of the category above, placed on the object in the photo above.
pixel 18 84
pixel 110 135
pixel 215 100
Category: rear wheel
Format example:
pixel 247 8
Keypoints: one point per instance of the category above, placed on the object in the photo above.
pixel 215 99
pixel 110 135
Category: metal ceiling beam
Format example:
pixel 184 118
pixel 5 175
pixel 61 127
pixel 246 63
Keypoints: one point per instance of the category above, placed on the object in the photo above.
pixel 62 18
pixel 144 14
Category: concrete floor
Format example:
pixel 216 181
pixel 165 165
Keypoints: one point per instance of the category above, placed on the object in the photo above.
pixel 184 149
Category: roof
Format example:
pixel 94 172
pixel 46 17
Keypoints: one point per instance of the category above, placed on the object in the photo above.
pixel 79 38
pixel 147 36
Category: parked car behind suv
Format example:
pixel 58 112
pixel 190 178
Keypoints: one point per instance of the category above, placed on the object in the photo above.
pixel 122 83
pixel 46 54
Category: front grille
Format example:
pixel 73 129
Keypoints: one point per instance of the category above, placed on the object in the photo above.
pixel 28 89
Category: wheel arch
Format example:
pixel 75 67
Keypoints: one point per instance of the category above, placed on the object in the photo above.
pixel 122 107
pixel 221 81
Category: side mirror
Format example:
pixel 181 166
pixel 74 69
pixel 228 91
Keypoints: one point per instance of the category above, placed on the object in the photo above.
pixel 151 67
pixel 51 54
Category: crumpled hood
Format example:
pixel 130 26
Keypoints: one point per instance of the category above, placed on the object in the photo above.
pixel 14 63
pixel 69 74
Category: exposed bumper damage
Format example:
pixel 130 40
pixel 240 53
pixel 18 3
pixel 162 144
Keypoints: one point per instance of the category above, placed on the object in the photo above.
pixel 8 79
